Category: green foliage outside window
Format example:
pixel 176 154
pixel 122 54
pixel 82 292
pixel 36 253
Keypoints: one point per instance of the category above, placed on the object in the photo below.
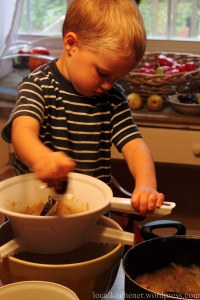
pixel 164 19
pixel 41 15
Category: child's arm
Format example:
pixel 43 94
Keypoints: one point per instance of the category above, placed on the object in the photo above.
pixel 145 196
pixel 50 167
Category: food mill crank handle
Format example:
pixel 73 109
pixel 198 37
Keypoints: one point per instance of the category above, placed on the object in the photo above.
pixel 10 248
pixel 124 205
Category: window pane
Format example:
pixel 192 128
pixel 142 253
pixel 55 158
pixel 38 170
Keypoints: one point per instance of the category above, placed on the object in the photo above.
pixel 43 17
pixel 164 19
pixel 171 19
pixel 155 15
pixel 182 19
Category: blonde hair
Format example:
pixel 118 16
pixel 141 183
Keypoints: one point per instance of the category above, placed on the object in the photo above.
pixel 109 25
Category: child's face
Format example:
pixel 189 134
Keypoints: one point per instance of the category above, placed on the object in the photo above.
pixel 93 74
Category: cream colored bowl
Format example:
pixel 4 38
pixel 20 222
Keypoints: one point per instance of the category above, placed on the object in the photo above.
pixel 90 269
pixel 32 290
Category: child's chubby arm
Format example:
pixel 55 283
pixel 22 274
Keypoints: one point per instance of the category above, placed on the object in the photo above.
pixel 145 197
pixel 50 167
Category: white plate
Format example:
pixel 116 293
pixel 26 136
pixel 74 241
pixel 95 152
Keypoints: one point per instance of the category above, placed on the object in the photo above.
pixel 185 108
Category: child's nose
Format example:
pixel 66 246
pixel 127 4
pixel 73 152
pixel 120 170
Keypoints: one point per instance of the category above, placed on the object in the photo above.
pixel 107 85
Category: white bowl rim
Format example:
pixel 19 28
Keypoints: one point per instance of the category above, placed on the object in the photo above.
pixel 173 99
pixel 107 190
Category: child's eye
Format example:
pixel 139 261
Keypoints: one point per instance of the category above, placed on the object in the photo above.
pixel 102 74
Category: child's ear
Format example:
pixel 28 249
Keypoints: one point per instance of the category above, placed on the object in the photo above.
pixel 70 42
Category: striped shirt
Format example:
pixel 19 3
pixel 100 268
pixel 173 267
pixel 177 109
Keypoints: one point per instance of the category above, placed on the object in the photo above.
pixel 83 127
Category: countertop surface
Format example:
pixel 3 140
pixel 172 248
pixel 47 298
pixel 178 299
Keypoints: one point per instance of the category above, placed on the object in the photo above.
pixel 166 118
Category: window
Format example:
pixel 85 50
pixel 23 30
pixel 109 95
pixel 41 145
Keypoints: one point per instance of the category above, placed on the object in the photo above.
pixel 171 19
pixel 164 19
pixel 171 25
pixel 43 17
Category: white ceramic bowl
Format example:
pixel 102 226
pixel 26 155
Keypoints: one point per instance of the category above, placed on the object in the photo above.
pixel 185 108
pixel 52 234
pixel 55 234
pixel 39 290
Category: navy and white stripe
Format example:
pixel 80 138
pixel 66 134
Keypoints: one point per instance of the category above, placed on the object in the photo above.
pixel 83 127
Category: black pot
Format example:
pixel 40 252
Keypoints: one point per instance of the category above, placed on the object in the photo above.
pixel 156 253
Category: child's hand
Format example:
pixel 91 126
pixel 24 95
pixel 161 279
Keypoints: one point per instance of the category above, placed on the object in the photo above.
pixel 53 168
pixel 145 199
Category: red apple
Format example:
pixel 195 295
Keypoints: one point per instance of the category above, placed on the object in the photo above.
pixel 40 50
pixel 180 67
pixel 147 71
pixel 163 60
pixel 34 61
pixel 167 68
pixel 147 65
pixel 190 66
pixel 173 71
pixel 24 50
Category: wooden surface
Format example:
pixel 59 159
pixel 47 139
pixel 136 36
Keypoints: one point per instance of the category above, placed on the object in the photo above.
pixel 167 117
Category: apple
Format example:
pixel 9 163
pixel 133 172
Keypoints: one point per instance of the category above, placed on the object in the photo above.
pixel 147 70
pixel 190 66
pixel 34 61
pixel 164 60
pixel 166 65
pixel 180 67
pixel 24 50
pixel 155 102
pixel 173 71
pixel 135 101
pixel 40 50
pixel 147 65
pixel 160 70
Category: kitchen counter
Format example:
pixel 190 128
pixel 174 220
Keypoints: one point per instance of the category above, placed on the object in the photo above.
pixel 166 118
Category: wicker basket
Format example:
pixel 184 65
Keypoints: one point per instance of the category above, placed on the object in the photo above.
pixel 163 84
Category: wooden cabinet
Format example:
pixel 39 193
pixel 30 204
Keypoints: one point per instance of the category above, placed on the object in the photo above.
pixel 175 146
pixel 172 137
pixel 174 141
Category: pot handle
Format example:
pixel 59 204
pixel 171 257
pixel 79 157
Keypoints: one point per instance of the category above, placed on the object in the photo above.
pixel 124 205
pixel 147 229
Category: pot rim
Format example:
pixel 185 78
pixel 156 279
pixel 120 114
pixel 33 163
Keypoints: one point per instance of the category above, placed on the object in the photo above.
pixel 154 240
pixel 160 238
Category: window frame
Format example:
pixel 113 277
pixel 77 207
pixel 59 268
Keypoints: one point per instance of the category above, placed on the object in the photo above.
pixel 153 45
pixel 173 46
